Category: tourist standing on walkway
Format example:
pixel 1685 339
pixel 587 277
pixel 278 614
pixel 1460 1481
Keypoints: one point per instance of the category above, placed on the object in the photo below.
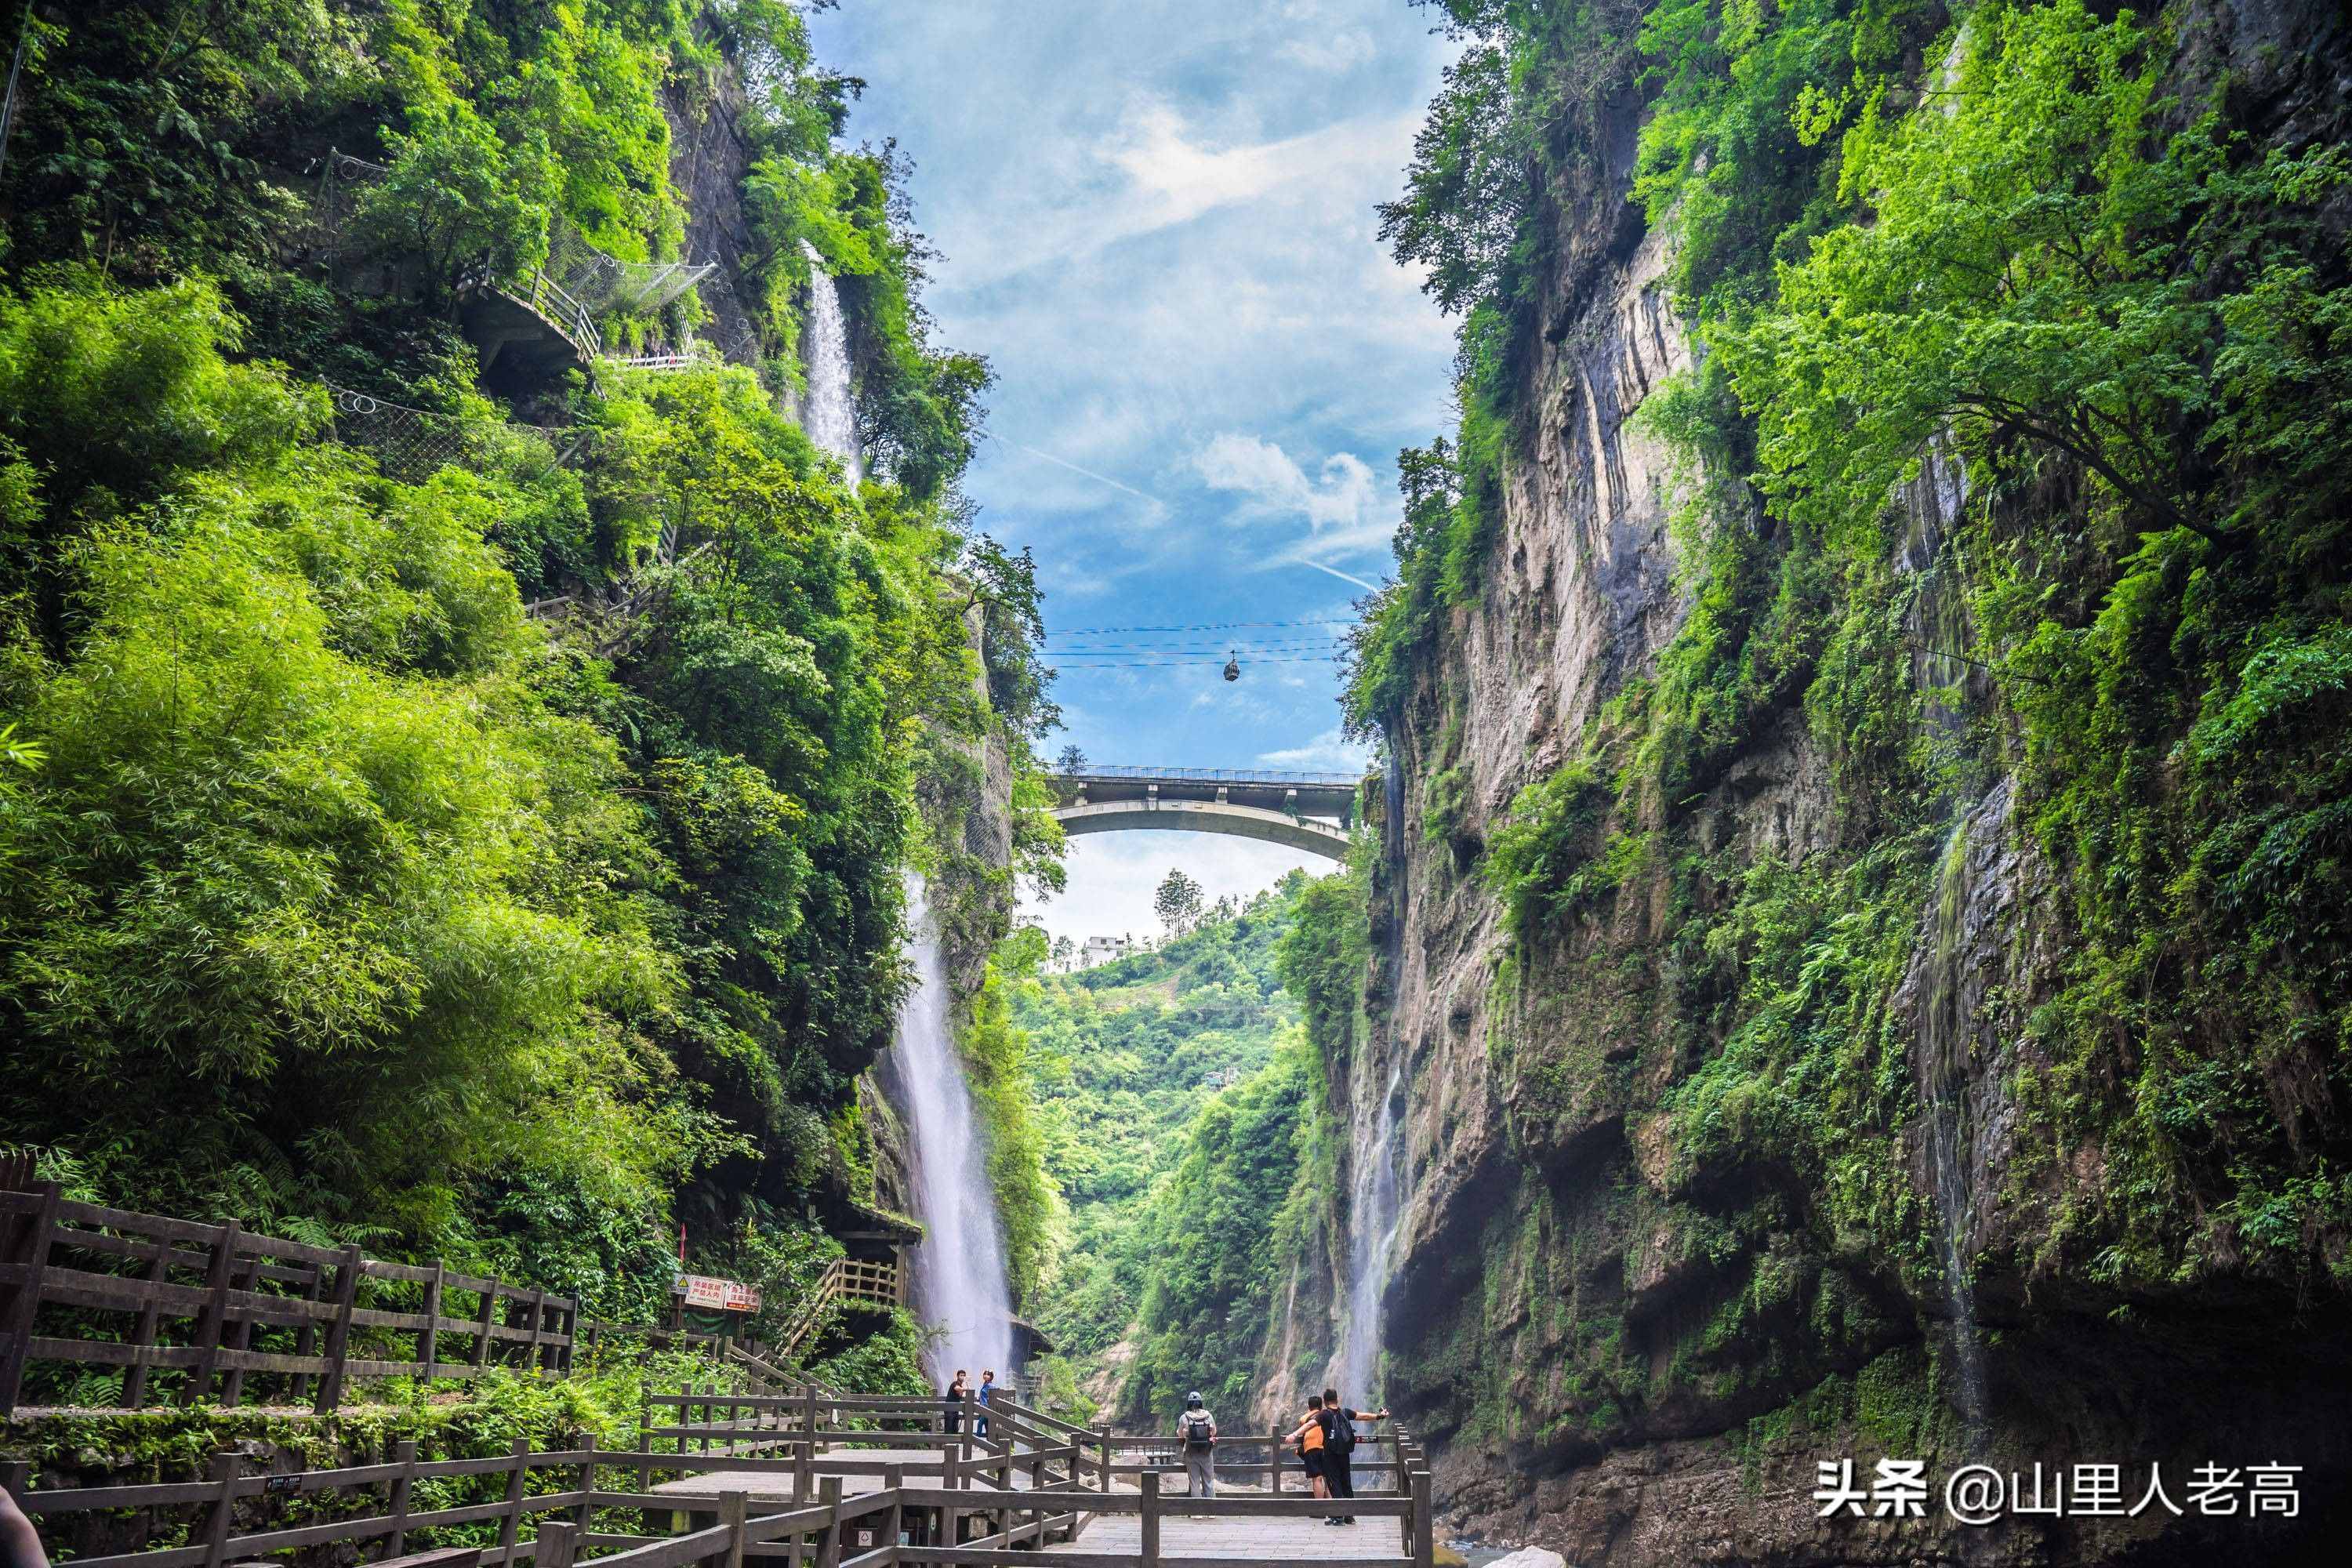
pixel 1339 1451
pixel 980 1416
pixel 1196 1433
pixel 953 1398
pixel 1308 1438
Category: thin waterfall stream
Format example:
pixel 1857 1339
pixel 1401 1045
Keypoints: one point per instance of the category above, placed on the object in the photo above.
pixel 1374 1213
pixel 958 1275
pixel 1943 1038
pixel 830 413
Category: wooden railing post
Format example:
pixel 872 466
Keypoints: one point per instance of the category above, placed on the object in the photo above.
pixel 404 1454
pixel 646 1451
pixel 134 1377
pixel 828 1548
pixel 223 1475
pixel 559 1545
pixel 1274 1460
pixel 1150 1532
pixel 27 1253
pixel 894 1481
pixel 306 1341
pixel 427 1348
pixel 734 1511
pixel 237 1334
pixel 339 1336
pixel 511 1525
pixel 531 1355
pixel 950 1518
pixel 1425 1531
pixel 210 1322
pixel 486 1319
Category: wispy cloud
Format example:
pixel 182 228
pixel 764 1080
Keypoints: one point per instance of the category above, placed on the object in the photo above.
pixel 1345 509
pixel 1157 220
pixel 1343 576
pixel 1330 752
pixel 1089 473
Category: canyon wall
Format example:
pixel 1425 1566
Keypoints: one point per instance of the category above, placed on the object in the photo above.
pixel 1621 1341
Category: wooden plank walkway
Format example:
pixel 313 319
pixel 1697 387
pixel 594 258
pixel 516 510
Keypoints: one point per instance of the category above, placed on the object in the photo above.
pixel 768 1487
pixel 1371 1541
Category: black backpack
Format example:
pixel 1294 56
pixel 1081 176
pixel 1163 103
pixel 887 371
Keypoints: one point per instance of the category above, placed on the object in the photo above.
pixel 1338 1433
pixel 1196 1432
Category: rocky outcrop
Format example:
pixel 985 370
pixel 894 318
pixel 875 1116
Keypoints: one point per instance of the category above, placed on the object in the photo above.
pixel 1618 1346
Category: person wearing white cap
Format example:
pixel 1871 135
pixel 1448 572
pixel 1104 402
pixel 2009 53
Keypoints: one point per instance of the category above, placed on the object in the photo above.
pixel 1196 1433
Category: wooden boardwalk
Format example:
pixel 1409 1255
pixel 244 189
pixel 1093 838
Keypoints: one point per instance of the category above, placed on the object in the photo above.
pixel 1241 1540
pixel 769 1487
pixel 861 1481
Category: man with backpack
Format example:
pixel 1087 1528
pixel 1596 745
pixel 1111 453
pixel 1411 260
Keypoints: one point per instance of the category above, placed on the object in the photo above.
pixel 1340 1445
pixel 1196 1433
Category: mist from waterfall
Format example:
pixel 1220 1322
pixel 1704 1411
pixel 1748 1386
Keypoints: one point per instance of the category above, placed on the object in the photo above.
pixel 959 1281
pixel 830 414
pixel 1374 1210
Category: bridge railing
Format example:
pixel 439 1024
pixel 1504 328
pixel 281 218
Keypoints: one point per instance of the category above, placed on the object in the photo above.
pixel 1216 776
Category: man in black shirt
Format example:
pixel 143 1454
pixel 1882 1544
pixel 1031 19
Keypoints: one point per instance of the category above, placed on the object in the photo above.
pixel 1340 1444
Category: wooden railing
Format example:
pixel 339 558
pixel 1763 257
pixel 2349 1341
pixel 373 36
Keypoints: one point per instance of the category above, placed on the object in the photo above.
pixel 224 1313
pixel 845 1280
pixel 934 1497
pixel 214 1306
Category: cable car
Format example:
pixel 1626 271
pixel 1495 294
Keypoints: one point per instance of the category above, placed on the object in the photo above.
pixel 1233 668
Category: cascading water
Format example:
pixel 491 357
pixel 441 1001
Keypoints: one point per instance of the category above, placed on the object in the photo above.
pixel 959 1269
pixel 830 415
pixel 1374 1213
pixel 1943 1036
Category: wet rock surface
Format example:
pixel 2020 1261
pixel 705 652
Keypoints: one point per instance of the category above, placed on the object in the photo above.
pixel 1608 1340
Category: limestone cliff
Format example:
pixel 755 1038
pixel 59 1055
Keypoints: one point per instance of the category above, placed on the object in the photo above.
pixel 1622 1342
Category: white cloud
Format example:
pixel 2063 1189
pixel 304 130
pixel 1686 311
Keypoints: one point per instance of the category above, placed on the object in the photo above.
pixel 1330 752
pixel 1332 53
pixel 1344 506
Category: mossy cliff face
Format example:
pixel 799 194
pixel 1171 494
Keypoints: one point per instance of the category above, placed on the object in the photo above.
pixel 1713 1146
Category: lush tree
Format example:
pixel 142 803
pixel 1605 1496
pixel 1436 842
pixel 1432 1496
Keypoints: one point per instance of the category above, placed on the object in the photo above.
pixel 1177 901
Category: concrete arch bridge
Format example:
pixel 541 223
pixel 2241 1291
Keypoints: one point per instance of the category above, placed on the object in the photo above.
pixel 1312 812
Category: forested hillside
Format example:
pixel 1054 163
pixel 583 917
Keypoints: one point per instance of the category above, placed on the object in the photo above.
pixel 1177 1101
pixel 457 800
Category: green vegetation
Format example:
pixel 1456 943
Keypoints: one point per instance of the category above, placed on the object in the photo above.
pixel 2015 450
pixel 347 896
pixel 1180 1098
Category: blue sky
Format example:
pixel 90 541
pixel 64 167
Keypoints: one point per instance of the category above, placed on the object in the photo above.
pixel 1156 220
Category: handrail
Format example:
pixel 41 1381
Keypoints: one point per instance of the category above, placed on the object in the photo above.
pixel 112 1261
pixel 1211 775
pixel 968 1490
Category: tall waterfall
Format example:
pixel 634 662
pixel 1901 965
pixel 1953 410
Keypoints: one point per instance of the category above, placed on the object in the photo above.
pixel 959 1269
pixel 830 415
pixel 1373 1213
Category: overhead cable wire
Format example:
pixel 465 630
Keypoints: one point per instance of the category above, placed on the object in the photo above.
pixel 1196 648
pixel 1207 661
pixel 1198 626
